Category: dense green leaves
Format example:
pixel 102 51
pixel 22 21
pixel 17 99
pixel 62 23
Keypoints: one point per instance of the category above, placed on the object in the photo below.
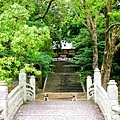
pixel 21 43
pixel 90 14
pixel 26 33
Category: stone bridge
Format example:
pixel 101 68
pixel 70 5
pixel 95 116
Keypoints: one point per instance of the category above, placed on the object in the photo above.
pixel 59 110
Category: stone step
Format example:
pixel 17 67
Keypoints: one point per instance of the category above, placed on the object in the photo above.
pixel 62 95
pixel 63 82
pixel 60 67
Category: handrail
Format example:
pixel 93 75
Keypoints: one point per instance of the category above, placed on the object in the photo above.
pixel 10 103
pixel 30 92
pixel 91 90
pixel 107 100
pixel 45 84
pixel 83 86
pixel 15 100
pixel 103 101
pixel 13 92
pixel 116 108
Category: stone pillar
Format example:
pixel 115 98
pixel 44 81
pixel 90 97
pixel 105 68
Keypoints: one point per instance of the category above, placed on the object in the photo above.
pixel 97 81
pixel 89 83
pixel 4 100
pixel 33 84
pixel 22 81
pixel 97 76
pixel 112 90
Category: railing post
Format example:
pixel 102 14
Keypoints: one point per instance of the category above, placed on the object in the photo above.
pixel 89 83
pixel 97 81
pixel 22 81
pixel 112 91
pixel 4 100
pixel 33 84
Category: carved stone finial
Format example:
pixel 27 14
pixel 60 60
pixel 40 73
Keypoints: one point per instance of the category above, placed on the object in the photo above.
pixel 97 70
pixel 89 77
pixel 112 82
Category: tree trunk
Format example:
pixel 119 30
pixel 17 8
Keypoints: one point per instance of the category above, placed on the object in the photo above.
pixel 111 36
pixel 95 49
pixel 106 67
pixel 91 25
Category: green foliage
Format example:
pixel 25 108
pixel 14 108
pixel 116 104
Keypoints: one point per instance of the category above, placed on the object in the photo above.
pixel 26 37
pixel 8 68
pixel 83 56
pixel 31 70
pixel 22 41
pixel 116 68
pixel 28 5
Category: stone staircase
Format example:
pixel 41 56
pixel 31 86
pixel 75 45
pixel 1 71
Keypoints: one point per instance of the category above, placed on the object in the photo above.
pixel 62 86
pixel 63 67
pixel 63 82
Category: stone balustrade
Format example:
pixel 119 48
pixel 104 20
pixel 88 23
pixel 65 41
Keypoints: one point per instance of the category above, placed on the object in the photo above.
pixel 106 100
pixel 10 103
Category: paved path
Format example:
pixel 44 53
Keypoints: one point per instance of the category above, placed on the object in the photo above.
pixel 59 110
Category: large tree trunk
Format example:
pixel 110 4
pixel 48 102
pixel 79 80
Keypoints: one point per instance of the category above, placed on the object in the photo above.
pixel 91 25
pixel 111 35
pixel 95 49
pixel 109 52
pixel 107 57
pixel 106 66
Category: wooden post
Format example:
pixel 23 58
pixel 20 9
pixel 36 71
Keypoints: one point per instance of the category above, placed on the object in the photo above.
pixel 4 100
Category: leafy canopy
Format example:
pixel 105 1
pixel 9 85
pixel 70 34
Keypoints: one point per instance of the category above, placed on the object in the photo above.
pixel 20 44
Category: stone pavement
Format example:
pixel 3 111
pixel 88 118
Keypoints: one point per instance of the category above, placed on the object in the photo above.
pixel 59 110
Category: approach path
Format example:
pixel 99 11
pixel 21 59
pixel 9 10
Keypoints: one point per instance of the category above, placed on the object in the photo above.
pixel 59 110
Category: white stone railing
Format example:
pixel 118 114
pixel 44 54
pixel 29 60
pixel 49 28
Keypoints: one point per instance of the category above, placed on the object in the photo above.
pixel 45 84
pixel 10 103
pixel 15 100
pixel 30 89
pixel 90 88
pixel 106 100
pixel 102 101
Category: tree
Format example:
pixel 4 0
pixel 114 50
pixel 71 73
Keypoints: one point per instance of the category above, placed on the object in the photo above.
pixel 22 43
pixel 112 35
pixel 94 15
pixel 47 12
pixel 88 13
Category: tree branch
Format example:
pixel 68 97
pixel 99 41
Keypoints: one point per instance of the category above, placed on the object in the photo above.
pixel 113 25
pixel 117 47
pixel 115 34
pixel 88 24
pixel 45 13
pixel 82 2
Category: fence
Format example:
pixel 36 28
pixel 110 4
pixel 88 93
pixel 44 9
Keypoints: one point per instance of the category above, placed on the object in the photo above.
pixel 106 100
pixel 10 103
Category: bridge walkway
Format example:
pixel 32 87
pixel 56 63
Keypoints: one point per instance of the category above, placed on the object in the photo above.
pixel 59 110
